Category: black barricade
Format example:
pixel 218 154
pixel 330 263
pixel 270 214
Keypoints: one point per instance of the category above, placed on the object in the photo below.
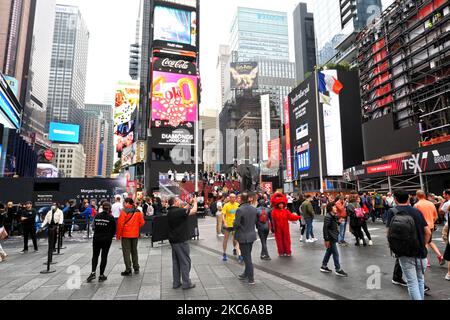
pixel 148 227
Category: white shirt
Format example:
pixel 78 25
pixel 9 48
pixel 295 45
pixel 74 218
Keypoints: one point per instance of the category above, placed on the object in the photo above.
pixel 115 209
pixel 390 202
pixel 446 208
pixel 58 218
pixel 219 207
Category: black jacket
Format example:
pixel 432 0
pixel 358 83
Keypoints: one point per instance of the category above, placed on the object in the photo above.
pixel 330 228
pixel 30 217
pixel 104 227
pixel 245 224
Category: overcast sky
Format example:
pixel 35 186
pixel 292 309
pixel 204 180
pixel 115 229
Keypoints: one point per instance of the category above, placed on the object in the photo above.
pixel 111 24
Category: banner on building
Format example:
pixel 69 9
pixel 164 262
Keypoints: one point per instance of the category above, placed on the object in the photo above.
pixel 267 187
pixel 289 176
pixel 265 119
pixel 244 75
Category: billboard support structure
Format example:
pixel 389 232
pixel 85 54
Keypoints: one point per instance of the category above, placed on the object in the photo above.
pixel 319 138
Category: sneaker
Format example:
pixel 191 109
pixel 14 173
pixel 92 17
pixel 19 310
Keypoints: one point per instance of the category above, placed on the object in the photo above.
pixel 242 277
pixel 234 252
pixel 102 278
pixel 288 255
pixel 341 273
pixel 241 259
pixel 325 270
pixel 370 243
pixel 314 239
pixel 267 258
pixel 441 260
pixel 176 286
pixel 447 277
pixel 251 282
pixel 192 286
pixel 136 271
pixel 91 277
pixel 309 240
pixel 427 288
pixel 399 282
pixel 23 251
pixel 361 242
pixel 301 238
pixel 126 273
pixel 225 257
pixel 428 264
pixel 357 244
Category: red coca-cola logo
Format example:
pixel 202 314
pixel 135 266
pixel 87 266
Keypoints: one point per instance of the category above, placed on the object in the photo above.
pixel 178 64
pixel 49 155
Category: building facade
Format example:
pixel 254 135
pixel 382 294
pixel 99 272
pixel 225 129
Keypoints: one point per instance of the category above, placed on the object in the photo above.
pixel 305 41
pixel 106 142
pixel 67 84
pixel 70 160
pixel 223 75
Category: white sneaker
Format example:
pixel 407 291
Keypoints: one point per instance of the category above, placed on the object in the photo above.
pixel 301 238
pixel 370 243
pixel 447 277
pixel 361 242
pixel 308 241
pixel 314 239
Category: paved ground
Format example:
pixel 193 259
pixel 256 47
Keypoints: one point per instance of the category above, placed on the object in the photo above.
pixel 295 278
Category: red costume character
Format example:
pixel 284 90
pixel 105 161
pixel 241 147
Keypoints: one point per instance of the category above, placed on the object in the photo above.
pixel 281 217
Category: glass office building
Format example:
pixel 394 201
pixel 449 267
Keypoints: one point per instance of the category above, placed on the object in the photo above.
pixel 257 33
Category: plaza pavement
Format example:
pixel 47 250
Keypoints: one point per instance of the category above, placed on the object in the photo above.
pixel 295 278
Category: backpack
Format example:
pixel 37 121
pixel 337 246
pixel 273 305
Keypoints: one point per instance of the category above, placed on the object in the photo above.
pixel 378 200
pixel 402 235
pixel 263 216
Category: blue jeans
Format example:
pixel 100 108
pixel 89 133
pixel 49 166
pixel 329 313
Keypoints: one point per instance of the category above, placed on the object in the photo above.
pixel 309 228
pixel 342 228
pixel 413 270
pixel 333 250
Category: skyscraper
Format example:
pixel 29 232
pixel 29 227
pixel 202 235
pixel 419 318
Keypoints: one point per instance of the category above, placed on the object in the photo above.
pixel 305 42
pixel 106 142
pixel 95 139
pixel 223 74
pixel 337 22
pixel 68 67
pixel 36 93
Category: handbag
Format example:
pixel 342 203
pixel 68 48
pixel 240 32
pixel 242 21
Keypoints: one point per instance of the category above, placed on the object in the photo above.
pixel 3 233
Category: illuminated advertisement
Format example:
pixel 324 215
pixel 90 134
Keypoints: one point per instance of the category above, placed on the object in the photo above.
pixel 244 75
pixel 9 106
pixel 46 170
pixel 63 132
pixel 126 101
pixel 303 158
pixel 174 99
pixel 287 126
pixel 124 142
pixel 175 27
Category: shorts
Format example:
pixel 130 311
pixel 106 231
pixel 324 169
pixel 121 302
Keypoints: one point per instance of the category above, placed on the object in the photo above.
pixel 230 230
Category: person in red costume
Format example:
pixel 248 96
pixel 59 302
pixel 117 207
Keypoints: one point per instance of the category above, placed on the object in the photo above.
pixel 281 217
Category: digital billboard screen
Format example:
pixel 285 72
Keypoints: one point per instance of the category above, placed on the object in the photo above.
pixel 174 99
pixel 244 75
pixel 63 132
pixel 126 102
pixel 175 27
pixel 9 106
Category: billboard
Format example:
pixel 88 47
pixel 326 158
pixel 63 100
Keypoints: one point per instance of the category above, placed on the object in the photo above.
pixel 46 170
pixel 169 137
pixel 63 132
pixel 174 99
pixel 265 118
pixel 244 75
pixel 13 84
pixel 126 101
pixel 10 108
pixel 175 27
pixel 302 158
pixel 287 127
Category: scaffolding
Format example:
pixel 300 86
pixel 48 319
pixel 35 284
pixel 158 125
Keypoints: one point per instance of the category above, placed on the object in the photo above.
pixel 404 64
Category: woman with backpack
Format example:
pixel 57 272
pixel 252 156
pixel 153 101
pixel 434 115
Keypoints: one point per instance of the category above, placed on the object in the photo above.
pixel 356 214
pixel 264 225
pixel 280 218
pixel 104 226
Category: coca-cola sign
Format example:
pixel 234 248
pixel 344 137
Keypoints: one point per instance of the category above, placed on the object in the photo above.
pixel 169 64
pixel 177 64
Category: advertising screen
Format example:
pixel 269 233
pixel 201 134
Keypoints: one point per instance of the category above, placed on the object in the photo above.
pixel 46 170
pixel 174 99
pixel 244 75
pixel 175 27
pixel 9 106
pixel 126 101
pixel 63 132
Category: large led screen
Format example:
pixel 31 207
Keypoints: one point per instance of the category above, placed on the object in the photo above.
pixel 173 25
pixel 63 132
pixel 126 102
pixel 174 98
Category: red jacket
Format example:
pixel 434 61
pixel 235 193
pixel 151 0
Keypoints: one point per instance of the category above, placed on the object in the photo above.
pixel 128 226
pixel 281 217
pixel 341 211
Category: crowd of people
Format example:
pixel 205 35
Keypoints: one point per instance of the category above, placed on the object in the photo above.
pixel 410 221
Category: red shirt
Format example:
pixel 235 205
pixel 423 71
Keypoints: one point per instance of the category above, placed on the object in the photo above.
pixel 341 211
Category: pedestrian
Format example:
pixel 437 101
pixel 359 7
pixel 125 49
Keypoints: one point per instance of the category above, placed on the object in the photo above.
pixel 356 215
pixel 429 212
pixel 445 205
pixel 228 215
pixel 323 204
pixel 68 217
pixel 378 207
pixel 446 239
pixel 3 232
pixel 281 217
pixel 219 207
pixel 28 220
pixel 308 212
pixel 11 220
pixel 342 219
pixel 264 225
pixel 129 223
pixel 331 238
pixel 157 207
pixel 245 224
pixel 86 214
pixel 116 208
pixel 408 234
pixel 104 226
pixel 179 236
pixel 365 228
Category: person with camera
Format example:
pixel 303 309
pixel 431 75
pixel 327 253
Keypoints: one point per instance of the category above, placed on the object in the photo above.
pixel 178 215
pixel 28 220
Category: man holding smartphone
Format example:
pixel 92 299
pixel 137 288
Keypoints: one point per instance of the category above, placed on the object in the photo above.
pixel 178 214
